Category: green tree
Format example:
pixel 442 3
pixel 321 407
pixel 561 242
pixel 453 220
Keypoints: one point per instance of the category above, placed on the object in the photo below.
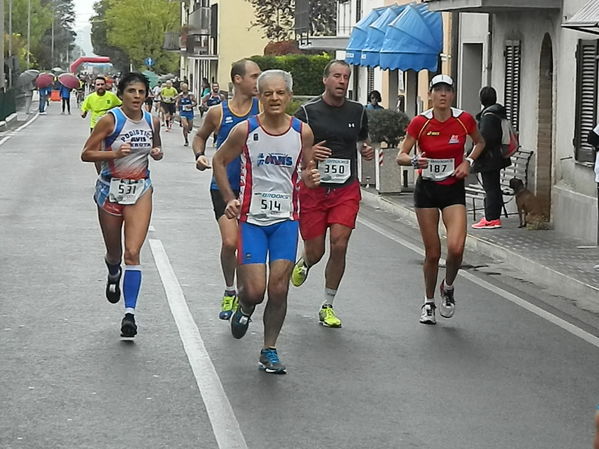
pixel 64 36
pixel 41 21
pixel 276 18
pixel 137 29
pixel 100 44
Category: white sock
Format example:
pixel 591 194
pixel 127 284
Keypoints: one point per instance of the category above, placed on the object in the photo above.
pixel 329 296
pixel 447 285
pixel 429 300
pixel 230 289
pixel 130 310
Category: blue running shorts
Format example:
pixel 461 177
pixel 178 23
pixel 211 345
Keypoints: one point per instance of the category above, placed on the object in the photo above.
pixel 278 240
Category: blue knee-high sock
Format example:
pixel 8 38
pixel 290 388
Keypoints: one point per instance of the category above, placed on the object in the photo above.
pixel 131 286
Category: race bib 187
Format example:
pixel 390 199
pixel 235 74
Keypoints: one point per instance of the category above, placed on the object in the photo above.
pixel 438 169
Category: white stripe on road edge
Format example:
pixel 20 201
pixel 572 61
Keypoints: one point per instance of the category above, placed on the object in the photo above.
pixel 25 125
pixel 224 423
pixel 589 338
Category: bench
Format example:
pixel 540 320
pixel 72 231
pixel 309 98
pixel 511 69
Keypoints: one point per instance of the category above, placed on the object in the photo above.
pixel 518 169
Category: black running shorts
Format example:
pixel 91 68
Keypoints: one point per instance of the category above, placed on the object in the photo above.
pixel 218 203
pixel 431 194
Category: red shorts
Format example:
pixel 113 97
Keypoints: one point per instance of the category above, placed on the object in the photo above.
pixel 321 207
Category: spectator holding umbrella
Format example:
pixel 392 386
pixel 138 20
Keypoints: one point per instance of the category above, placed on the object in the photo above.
pixel 44 94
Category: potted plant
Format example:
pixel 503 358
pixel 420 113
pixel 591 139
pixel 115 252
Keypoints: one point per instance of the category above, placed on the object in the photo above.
pixel 386 129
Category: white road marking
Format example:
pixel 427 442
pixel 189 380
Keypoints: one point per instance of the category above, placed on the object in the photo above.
pixel 222 418
pixel 25 125
pixel 565 325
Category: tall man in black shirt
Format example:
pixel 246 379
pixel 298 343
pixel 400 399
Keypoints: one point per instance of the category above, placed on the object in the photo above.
pixel 340 127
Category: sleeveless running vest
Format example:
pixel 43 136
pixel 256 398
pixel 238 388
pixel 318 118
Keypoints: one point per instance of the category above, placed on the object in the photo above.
pixel 137 133
pixel 227 122
pixel 185 105
pixel 269 174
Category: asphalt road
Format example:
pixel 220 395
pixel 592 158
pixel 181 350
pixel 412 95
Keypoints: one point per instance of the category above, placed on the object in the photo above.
pixel 497 375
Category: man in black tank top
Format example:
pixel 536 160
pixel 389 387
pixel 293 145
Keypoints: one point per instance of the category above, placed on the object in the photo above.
pixel 340 129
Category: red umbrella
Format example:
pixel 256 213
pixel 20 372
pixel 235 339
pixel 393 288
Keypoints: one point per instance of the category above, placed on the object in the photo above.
pixel 68 80
pixel 44 80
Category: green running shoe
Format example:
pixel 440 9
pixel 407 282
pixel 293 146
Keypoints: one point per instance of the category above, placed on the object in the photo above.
pixel 328 318
pixel 299 273
pixel 227 307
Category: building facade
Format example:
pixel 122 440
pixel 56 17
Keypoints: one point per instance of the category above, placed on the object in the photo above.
pixel 216 33
pixel 547 77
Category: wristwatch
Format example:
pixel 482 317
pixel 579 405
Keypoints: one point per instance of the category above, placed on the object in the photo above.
pixel 470 161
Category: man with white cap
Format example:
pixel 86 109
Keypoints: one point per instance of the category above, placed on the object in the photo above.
pixel 441 134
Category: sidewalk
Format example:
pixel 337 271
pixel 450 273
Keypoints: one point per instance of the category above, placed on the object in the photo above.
pixel 557 259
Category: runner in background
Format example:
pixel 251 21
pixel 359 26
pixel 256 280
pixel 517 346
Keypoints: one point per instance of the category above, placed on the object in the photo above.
pixel 185 104
pixel 220 119
pixel 167 102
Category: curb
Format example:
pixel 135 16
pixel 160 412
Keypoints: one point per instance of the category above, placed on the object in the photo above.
pixel 558 280
pixel 9 122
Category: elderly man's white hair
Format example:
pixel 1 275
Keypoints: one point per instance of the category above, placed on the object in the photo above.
pixel 275 73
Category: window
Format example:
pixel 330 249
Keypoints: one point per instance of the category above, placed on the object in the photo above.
pixel 370 81
pixel 512 82
pixel 585 117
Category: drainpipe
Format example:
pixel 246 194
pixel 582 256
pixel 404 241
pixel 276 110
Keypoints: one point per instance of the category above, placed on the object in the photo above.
pixel 356 69
pixel 489 43
pixel 455 44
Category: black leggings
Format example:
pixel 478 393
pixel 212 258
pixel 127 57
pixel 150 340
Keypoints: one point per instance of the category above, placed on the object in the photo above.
pixel 67 102
pixel 493 195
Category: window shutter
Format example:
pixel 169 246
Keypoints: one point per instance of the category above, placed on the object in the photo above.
pixel 512 82
pixel 585 118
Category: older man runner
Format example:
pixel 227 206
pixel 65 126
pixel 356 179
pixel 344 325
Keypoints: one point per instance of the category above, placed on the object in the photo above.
pixel 221 119
pixel 270 145
pixel 340 127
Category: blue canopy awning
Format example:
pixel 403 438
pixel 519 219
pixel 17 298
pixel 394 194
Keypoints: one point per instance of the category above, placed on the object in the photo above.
pixel 359 35
pixel 413 41
pixel 376 35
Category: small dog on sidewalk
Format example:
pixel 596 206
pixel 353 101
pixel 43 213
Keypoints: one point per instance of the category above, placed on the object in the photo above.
pixel 530 209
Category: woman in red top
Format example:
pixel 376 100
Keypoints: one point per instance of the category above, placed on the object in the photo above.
pixel 441 134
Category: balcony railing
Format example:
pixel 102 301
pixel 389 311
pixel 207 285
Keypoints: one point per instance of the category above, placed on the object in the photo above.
pixel 302 17
pixel 172 41
pixel 199 45
pixel 199 21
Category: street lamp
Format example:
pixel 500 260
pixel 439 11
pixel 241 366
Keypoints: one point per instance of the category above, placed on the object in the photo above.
pixel 28 31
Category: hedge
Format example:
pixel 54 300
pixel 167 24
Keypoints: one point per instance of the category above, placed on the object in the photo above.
pixel 305 69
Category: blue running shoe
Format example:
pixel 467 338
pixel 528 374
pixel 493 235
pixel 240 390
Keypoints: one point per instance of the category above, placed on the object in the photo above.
pixel 239 323
pixel 270 363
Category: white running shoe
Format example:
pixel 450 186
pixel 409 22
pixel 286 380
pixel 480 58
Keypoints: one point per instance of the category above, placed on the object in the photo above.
pixel 447 307
pixel 427 316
